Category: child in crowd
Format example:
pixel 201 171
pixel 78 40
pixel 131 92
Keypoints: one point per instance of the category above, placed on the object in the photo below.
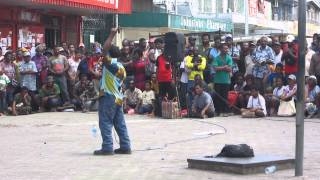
pixel 274 102
pixel 132 97
pixel 278 73
pixel 256 107
pixel 146 104
pixel 243 96
pixel 22 103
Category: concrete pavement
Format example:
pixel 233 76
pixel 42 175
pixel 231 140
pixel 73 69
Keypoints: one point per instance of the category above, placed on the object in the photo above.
pixel 60 145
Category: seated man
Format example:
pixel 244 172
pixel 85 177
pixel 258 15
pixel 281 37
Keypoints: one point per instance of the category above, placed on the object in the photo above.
pixel 79 88
pixel 146 104
pixel 199 80
pixel 132 97
pixel 244 92
pixel 22 103
pixel 89 99
pixel 256 105
pixel 273 98
pixel 50 96
pixel 312 96
pixel 202 105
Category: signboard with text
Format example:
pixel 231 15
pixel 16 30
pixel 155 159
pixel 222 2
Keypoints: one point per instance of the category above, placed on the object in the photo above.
pixel 112 4
pixel 198 24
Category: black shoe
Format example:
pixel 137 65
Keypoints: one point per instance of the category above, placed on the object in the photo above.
pixel 102 153
pixel 122 151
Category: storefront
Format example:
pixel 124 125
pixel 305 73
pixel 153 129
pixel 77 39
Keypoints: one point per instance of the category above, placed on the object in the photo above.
pixel 147 24
pixel 25 23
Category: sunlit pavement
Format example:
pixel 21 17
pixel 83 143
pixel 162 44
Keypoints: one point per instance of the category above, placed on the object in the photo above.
pixel 60 146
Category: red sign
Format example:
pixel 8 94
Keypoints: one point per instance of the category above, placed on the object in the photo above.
pixel 111 4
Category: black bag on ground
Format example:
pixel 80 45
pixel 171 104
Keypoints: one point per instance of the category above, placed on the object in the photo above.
pixel 236 151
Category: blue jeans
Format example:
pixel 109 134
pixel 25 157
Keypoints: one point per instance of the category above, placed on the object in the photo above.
pixel 190 95
pixel 111 114
pixel 145 109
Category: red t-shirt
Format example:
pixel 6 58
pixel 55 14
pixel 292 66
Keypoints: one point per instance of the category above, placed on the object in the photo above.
pixel 95 65
pixel 291 69
pixel 164 73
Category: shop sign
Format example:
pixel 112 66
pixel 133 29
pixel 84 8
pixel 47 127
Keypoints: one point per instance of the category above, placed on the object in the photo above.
pixel 111 4
pixel 29 16
pixel 198 24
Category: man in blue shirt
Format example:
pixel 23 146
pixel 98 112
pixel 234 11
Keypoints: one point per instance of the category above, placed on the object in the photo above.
pixel 111 100
pixel 263 56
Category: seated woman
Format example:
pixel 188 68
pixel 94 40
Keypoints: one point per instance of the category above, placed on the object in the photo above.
pixel 312 96
pixel 273 98
pixel 50 96
pixel 256 105
pixel 146 104
pixel 290 90
pixel 202 106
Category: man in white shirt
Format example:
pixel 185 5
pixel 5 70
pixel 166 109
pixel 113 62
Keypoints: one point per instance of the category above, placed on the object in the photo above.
pixel 184 83
pixel 256 105
pixel 277 53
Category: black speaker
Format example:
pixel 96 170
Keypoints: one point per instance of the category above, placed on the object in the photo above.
pixel 174 46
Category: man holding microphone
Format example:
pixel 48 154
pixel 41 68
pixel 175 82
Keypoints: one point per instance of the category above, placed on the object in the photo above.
pixel 110 101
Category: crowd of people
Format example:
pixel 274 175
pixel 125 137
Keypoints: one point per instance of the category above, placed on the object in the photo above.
pixel 214 79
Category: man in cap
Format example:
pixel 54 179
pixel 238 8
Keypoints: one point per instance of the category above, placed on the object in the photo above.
pixel 58 66
pixel 28 71
pixel 263 56
pixel 277 52
pixel 110 102
pixel 290 57
pixel 248 60
pixel 49 95
pixel 28 76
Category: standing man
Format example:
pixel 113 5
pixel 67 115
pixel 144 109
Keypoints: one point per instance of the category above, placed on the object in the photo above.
pixel 206 52
pixel 41 62
pixel 263 55
pixel 28 77
pixel 110 102
pixel 222 80
pixel 58 66
pixel 315 65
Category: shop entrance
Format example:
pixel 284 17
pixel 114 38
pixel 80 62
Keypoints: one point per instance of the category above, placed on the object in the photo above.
pixel 52 37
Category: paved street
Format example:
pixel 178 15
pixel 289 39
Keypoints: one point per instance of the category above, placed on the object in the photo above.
pixel 60 145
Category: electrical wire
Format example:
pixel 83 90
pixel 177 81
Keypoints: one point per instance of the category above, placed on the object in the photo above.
pixel 165 145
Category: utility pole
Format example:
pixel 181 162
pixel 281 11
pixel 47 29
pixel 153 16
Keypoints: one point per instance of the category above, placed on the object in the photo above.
pixel 301 88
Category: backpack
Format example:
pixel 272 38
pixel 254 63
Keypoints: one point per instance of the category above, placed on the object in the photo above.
pixel 236 151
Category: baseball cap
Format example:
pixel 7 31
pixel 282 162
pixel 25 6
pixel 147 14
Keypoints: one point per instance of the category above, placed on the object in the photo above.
pixel 312 77
pixel 26 53
pixel 292 77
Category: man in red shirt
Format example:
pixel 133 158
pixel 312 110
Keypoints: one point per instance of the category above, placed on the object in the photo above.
pixel 164 74
pixel 290 57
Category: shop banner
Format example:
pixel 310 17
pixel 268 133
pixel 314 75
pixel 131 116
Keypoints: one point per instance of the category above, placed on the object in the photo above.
pixel 111 4
pixel 198 24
